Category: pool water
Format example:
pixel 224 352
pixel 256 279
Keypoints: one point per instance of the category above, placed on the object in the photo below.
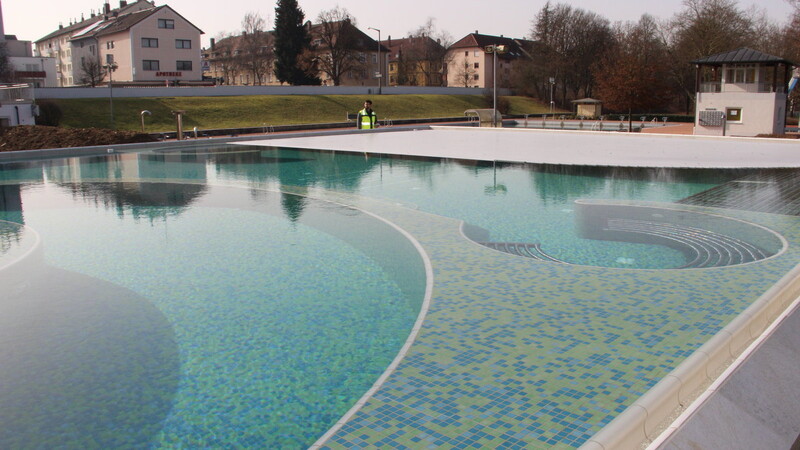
pixel 244 296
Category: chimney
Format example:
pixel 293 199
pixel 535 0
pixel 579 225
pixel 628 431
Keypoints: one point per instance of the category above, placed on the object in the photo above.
pixel 106 8
pixel 92 16
pixel 213 43
pixel 122 4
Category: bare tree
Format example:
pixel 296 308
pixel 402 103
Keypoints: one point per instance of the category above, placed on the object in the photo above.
pixel 92 72
pixel 629 73
pixel 703 28
pixel 6 70
pixel 465 74
pixel 255 51
pixel 568 42
pixel 339 44
pixel 428 53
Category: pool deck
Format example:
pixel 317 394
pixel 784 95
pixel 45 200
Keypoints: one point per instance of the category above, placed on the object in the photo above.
pixel 561 147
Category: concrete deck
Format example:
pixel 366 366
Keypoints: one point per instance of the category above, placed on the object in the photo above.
pixel 563 147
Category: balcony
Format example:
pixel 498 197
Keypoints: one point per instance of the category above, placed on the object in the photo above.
pixel 19 74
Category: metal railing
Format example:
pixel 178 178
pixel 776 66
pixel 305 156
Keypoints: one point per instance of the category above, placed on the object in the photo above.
pixel 16 93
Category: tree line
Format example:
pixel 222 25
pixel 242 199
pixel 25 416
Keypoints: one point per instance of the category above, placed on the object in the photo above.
pixel 642 66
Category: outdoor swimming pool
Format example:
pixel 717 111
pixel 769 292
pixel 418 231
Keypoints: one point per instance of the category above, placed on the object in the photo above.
pixel 242 295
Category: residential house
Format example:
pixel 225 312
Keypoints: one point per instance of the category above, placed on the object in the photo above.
pixel 241 61
pixel 742 93
pixel 346 56
pixel 416 61
pixel 139 43
pixel 470 65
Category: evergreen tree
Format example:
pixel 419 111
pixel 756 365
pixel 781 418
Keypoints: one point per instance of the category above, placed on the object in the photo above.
pixel 291 41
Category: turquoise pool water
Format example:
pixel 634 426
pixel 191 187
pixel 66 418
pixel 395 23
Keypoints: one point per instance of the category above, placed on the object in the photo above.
pixel 243 296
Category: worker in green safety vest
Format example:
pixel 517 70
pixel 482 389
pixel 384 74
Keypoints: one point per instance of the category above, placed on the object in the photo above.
pixel 367 119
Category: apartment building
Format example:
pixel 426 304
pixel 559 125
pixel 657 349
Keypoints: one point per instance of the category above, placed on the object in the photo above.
pixel 229 61
pixel 352 62
pixel 25 68
pixel 469 64
pixel 416 61
pixel 137 44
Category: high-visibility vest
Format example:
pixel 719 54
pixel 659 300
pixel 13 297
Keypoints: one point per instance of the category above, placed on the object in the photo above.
pixel 367 120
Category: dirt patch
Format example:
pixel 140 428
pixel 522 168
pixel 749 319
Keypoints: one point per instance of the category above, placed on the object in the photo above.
pixel 40 137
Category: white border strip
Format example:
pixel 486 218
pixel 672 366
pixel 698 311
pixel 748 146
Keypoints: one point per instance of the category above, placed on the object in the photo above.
pixel 34 247
pixel 406 347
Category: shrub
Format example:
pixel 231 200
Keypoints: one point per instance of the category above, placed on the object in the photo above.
pixel 50 114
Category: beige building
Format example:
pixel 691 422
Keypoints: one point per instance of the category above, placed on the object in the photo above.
pixel 142 43
pixel 415 61
pixel 228 60
pixel 470 65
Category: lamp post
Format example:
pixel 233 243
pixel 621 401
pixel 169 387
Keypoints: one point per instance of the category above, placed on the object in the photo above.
pixel 380 68
pixel 494 50
pixel 552 83
pixel 111 67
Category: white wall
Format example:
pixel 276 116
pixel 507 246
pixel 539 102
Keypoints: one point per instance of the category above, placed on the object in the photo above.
pixel 222 91
pixel 762 113
pixel 17 114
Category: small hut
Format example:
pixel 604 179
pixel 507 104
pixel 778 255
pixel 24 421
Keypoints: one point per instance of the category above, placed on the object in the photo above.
pixel 588 107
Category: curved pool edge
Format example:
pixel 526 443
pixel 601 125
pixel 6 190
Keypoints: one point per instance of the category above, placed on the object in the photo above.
pixel 650 416
pixel 18 262
pixel 406 346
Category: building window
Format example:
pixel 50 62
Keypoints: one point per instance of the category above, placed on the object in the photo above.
pixel 166 23
pixel 149 42
pixel 466 53
pixel 476 77
pixel 183 43
pixel 733 114
pixel 741 73
pixel 477 65
pixel 109 45
pixel 150 64
pixel 477 53
pixel 109 58
pixel 184 65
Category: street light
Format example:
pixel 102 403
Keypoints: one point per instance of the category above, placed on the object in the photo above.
pixel 552 83
pixel 494 50
pixel 380 69
pixel 111 67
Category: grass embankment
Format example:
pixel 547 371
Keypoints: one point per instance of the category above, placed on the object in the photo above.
pixel 269 110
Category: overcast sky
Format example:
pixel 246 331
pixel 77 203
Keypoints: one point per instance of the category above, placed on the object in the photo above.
pixel 33 19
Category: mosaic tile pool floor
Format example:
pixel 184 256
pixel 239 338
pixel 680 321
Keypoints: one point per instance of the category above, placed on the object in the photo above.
pixel 519 353
pixel 513 352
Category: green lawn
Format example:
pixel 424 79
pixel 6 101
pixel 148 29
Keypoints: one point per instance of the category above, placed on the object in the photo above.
pixel 256 111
